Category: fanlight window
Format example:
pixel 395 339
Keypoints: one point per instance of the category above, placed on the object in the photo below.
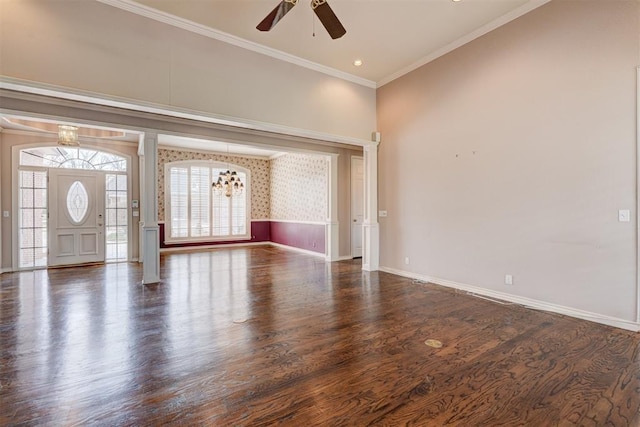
pixel 72 158
pixel 77 202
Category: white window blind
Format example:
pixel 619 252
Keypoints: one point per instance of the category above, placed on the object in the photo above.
pixel 196 212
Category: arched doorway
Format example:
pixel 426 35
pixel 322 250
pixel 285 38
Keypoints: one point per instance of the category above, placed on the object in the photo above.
pixel 72 207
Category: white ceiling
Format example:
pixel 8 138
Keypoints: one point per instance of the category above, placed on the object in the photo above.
pixel 390 36
pixel 214 146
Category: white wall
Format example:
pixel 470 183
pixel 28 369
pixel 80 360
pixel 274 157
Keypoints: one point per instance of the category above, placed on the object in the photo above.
pixel 90 46
pixel 513 154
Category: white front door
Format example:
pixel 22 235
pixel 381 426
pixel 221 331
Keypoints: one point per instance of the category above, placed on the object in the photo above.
pixel 76 217
pixel 357 205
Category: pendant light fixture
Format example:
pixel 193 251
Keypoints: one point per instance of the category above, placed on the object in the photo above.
pixel 228 182
pixel 68 136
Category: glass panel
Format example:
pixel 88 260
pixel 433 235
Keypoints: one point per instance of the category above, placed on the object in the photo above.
pixel 72 158
pixel 77 202
pixel 121 217
pixel 122 182
pixel 110 217
pixel 27 198
pixel 27 258
pixel 116 218
pixel 26 238
pixel 39 217
pixel 32 235
pixel 200 192
pixel 27 179
pixel 26 217
pixel 111 182
pixel 179 199
pixel 40 198
pixel 238 210
pixel 220 215
pixel 121 200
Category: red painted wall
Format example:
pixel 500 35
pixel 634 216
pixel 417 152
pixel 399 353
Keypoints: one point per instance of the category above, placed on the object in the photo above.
pixel 304 236
pixel 310 237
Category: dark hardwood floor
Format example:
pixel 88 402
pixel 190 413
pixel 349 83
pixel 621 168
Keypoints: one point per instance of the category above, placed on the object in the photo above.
pixel 263 336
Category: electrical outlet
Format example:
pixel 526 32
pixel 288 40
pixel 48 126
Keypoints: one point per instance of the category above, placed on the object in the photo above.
pixel 508 279
pixel 406 260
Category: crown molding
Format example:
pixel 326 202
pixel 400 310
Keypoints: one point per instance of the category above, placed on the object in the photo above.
pixel 504 19
pixel 52 91
pixel 203 30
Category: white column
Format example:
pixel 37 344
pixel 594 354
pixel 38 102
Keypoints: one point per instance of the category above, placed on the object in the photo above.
pixel 332 234
pixel 370 228
pixel 141 192
pixel 149 194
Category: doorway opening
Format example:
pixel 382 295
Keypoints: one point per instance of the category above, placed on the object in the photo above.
pixel 72 207
pixel 357 205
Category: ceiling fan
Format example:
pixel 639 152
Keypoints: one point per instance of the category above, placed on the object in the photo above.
pixel 320 7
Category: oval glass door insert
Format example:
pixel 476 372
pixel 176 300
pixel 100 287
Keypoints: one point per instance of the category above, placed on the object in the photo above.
pixel 77 202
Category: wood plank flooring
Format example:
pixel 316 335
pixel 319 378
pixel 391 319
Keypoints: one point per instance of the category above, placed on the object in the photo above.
pixel 263 336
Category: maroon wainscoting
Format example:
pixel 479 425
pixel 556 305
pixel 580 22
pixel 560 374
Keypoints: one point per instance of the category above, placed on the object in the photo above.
pixel 259 233
pixel 303 236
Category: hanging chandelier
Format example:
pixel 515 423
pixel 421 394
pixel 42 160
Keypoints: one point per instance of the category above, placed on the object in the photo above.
pixel 229 184
pixel 68 136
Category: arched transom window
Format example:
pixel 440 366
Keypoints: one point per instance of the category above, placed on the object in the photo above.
pixel 72 158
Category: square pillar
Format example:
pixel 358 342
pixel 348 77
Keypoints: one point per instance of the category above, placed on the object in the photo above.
pixel 332 235
pixel 370 227
pixel 150 238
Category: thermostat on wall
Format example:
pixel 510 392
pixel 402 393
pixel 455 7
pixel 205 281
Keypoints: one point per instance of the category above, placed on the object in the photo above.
pixel 134 203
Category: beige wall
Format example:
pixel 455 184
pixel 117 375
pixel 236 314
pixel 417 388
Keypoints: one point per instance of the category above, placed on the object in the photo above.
pixel 513 155
pixel 11 139
pixel 90 46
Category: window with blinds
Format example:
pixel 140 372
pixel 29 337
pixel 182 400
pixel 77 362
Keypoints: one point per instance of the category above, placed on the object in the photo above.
pixel 195 211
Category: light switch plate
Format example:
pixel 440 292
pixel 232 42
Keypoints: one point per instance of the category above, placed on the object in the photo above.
pixel 382 213
pixel 136 213
pixel 624 215
pixel 5 214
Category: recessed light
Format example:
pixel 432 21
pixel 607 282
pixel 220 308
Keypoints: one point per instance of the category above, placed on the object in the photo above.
pixel 456 1
pixel 357 62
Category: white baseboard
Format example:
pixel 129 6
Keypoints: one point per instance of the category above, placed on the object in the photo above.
pixel 231 245
pixel 527 302
pixel 292 248
pixel 209 247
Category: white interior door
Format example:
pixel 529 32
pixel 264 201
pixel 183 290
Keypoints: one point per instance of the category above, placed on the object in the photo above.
pixel 357 205
pixel 76 217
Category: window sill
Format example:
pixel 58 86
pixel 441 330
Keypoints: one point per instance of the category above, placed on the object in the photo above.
pixel 207 240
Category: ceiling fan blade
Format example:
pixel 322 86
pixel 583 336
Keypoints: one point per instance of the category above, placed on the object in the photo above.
pixel 328 18
pixel 276 15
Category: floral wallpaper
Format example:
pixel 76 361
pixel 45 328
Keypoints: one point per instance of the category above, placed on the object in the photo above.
pixel 260 189
pixel 299 188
